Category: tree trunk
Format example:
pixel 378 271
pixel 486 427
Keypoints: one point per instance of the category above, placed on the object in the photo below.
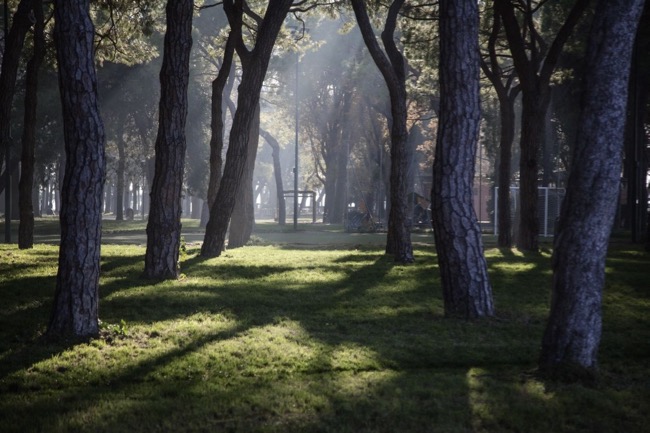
pixel 392 67
pixel 217 122
pixel 254 66
pixel 572 335
pixel 76 297
pixel 507 112
pixel 534 71
pixel 463 269
pixel 26 184
pixel 10 62
pixel 507 91
pixel 164 225
pixel 277 174
pixel 532 139
pixel 243 215
pixel 121 169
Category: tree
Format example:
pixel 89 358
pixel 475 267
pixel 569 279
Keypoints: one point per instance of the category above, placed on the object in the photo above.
pixel 243 215
pixel 463 269
pixel 76 298
pixel 507 89
pixel 217 119
pixel 164 225
pixel 277 174
pixel 254 64
pixel 535 61
pixel 25 187
pixel 391 64
pixel 10 62
pixel 573 331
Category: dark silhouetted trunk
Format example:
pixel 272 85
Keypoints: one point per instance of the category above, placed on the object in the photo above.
pixel 465 284
pixel 10 62
pixel 277 174
pixel 636 153
pixel 534 72
pixel 254 66
pixel 507 91
pixel 164 225
pixel 26 184
pixel 120 172
pixel 217 123
pixel 392 67
pixel 573 332
pixel 507 114
pixel 76 298
pixel 243 215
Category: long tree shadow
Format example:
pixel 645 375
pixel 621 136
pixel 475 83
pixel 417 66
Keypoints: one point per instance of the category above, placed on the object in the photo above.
pixel 398 331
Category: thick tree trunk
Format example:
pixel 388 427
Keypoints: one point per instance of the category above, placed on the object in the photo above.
pixel 392 67
pixel 254 66
pixel 243 215
pixel 572 335
pixel 277 174
pixel 164 225
pixel 10 63
pixel 76 298
pixel 26 184
pixel 463 269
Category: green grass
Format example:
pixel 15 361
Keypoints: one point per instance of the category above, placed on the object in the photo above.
pixel 271 338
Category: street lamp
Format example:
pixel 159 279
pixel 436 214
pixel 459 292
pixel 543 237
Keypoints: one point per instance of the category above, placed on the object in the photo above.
pixel 295 168
pixel 299 33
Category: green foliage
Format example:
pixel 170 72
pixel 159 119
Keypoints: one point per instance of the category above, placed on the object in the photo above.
pixel 277 339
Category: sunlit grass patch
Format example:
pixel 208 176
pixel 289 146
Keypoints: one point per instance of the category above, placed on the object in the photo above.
pixel 274 339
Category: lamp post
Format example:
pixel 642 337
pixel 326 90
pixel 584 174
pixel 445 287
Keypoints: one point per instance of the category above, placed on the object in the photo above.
pixel 7 149
pixel 295 168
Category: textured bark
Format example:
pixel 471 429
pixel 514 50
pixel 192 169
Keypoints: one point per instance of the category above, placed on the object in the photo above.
pixel 26 184
pixel 164 225
pixel 392 67
pixel 573 331
pixel 463 269
pixel 217 120
pixel 254 66
pixel 243 215
pixel 10 62
pixel 534 72
pixel 76 297
pixel 277 174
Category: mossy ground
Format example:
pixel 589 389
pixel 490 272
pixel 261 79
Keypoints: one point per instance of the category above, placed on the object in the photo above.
pixel 274 338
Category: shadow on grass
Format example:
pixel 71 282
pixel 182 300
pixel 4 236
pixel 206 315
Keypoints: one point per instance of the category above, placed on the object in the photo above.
pixel 419 373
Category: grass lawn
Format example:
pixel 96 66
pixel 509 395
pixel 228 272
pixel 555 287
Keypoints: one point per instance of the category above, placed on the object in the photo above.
pixel 284 337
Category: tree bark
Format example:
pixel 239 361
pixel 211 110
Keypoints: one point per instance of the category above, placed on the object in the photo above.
pixel 254 65
pixel 534 72
pixel 507 91
pixel 392 67
pixel 243 216
pixel 277 174
pixel 10 62
pixel 164 225
pixel 217 121
pixel 76 298
pixel 26 184
pixel 466 288
pixel 572 336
